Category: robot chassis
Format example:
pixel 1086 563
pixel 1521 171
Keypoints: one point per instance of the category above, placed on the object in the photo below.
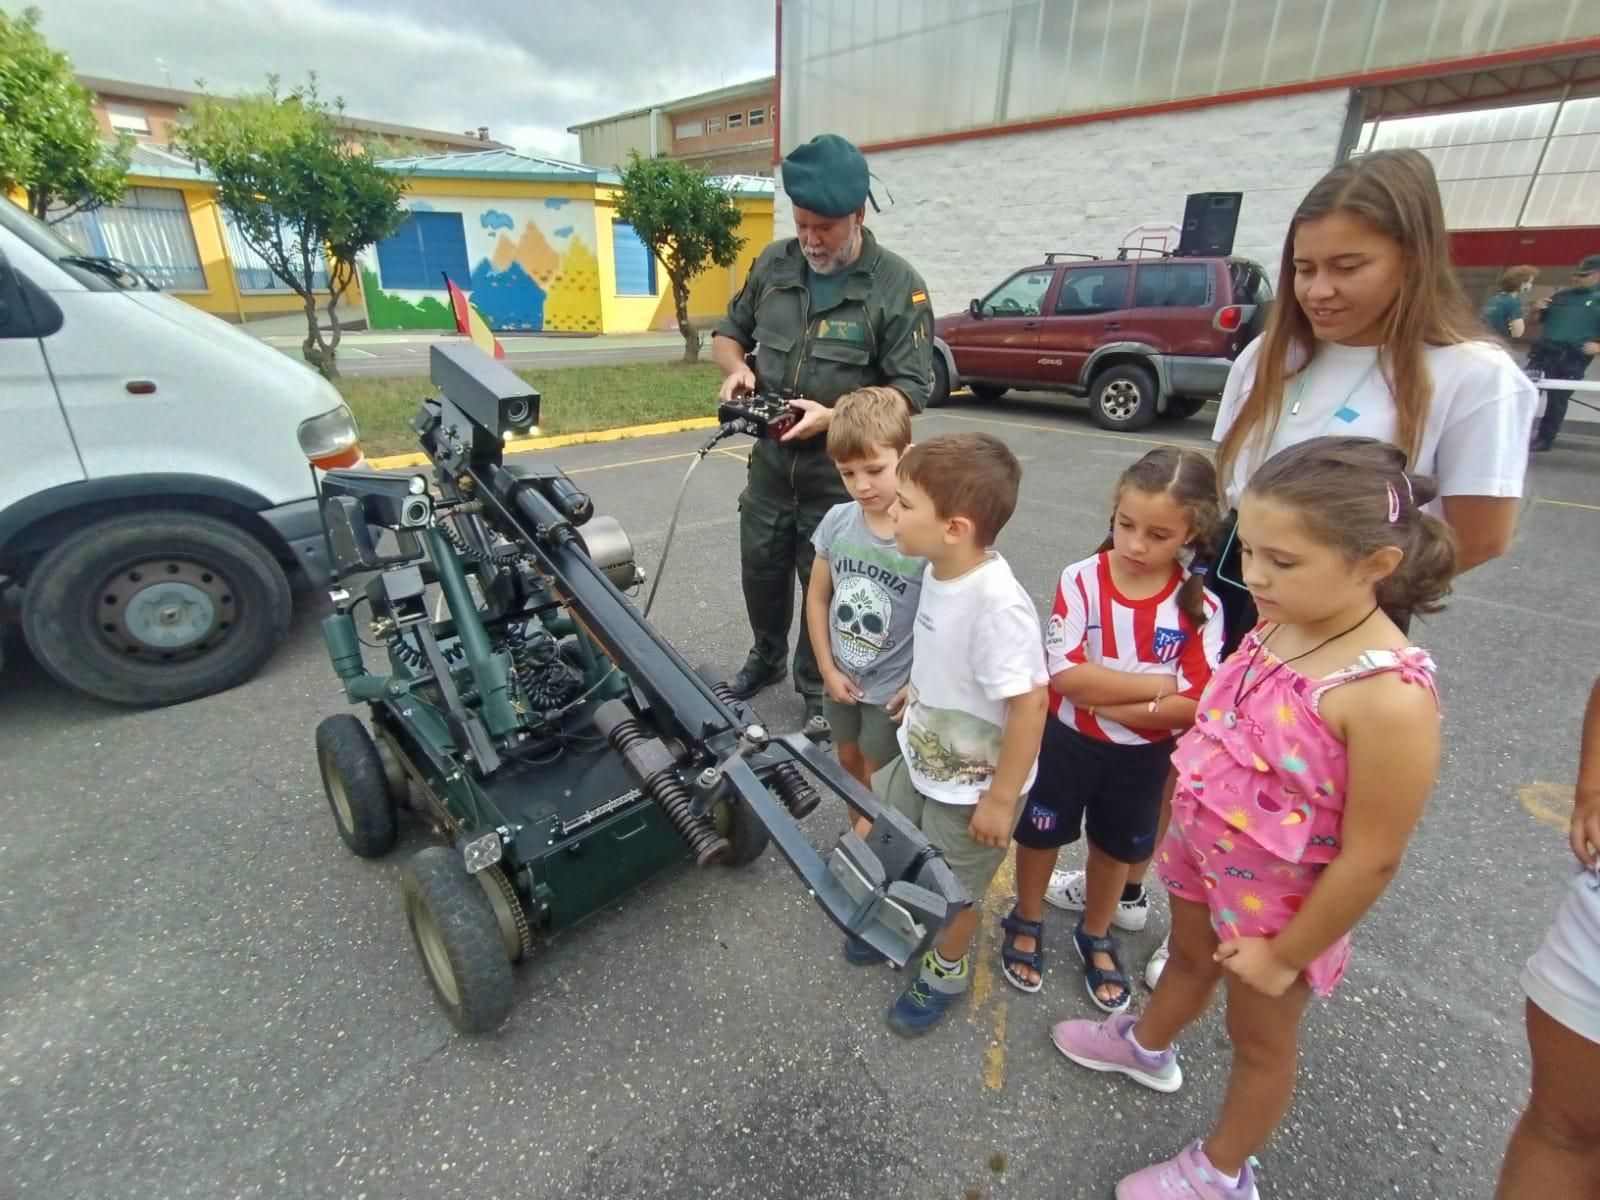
pixel 563 751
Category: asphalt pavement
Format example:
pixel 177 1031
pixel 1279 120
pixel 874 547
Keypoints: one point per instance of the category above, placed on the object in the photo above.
pixel 202 994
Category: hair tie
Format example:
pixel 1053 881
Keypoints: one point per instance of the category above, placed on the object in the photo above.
pixel 1394 503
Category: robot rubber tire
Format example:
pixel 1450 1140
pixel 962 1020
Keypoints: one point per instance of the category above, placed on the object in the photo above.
pixel 357 786
pixel 458 939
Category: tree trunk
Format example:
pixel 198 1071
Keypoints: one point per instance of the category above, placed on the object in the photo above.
pixel 316 351
pixel 691 336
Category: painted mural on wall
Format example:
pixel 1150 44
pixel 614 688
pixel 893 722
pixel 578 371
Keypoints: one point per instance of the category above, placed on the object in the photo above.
pixel 532 268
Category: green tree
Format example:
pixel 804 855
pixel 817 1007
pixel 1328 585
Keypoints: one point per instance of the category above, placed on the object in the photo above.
pixel 50 145
pixel 688 223
pixel 300 192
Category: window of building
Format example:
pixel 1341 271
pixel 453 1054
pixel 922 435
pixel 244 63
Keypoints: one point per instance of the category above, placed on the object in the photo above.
pixel 735 120
pixel 689 129
pixel 635 265
pixel 758 116
pixel 429 246
pixel 125 118
pixel 1087 290
pixel 1172 285
pixel 714 125
pixel 148 229
pixel 250 270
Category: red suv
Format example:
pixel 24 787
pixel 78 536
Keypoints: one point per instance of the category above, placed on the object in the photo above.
pixel 1139 335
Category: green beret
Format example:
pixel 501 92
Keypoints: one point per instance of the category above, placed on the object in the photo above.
pixel 827 176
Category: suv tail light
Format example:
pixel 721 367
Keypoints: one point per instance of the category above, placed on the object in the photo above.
pixel 331 439
pixel 1229 318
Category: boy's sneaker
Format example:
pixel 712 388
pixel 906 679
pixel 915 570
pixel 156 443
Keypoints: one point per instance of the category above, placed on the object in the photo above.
pixel 927 997
pixel 1068 890
pixel 1191 1176
pixel 1107 1046
pixel 859 953
pixel 1157 963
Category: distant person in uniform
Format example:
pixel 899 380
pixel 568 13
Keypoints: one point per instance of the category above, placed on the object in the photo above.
pixel 825 313
pixel 1502 312
pixel 1569 337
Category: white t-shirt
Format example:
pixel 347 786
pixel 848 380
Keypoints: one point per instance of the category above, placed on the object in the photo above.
pixel 1475 442
pixel 976 645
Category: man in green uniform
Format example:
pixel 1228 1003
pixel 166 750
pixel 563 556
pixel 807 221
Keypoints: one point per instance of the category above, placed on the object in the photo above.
pixel 1569 338
pixel 825 312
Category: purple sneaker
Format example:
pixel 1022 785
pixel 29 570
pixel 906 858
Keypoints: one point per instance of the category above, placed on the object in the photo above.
pixel 1105 1046
pixel 1189 1176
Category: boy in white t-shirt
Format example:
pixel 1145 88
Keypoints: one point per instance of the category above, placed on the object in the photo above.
pixel 974 711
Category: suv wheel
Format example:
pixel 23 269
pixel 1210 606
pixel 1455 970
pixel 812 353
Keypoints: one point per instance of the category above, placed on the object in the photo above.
pixel 1181 408
pixel 940 392
pixel 1123 397
pixel 987 392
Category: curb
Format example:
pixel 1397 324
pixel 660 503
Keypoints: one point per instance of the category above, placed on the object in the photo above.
pixel 525 445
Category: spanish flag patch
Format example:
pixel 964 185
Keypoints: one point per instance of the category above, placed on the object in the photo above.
pixel 919 297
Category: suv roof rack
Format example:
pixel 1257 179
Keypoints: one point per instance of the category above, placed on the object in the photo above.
pixel 1050 258
pixel 1124 251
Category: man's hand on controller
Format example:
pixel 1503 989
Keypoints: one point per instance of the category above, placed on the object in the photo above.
pixel 737 384
pixel 814 419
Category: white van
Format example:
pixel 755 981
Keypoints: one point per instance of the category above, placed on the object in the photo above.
pixel 157 484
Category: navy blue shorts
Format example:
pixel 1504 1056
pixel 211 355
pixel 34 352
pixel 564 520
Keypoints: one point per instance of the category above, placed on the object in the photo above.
pixel 1113 791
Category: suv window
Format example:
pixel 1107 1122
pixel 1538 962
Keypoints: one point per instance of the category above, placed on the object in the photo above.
pixel 1020 296
pixel 1173 285
pixel 1250 285
pixel 1086 290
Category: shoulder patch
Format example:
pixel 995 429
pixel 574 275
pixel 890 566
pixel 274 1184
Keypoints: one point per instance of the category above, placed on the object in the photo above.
pixel 919 297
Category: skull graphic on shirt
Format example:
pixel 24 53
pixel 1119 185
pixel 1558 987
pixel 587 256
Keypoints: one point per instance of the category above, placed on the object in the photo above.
pixel 861 611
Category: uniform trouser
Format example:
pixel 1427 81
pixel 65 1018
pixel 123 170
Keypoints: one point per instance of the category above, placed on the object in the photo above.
pixel 787 494
pixel 1557 360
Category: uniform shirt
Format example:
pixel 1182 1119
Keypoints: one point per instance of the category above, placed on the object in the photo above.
pixel 874 607
pixel 976 646
pixel 1092 622
pixel 1573 317
pixel 1500 310
pixel 1475 441
pixel 878 332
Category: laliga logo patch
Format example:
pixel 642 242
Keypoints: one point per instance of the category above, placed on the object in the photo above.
pixel 1169 643
pixel 1055 632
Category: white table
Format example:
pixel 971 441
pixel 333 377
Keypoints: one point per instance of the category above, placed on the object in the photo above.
pixel 1577 386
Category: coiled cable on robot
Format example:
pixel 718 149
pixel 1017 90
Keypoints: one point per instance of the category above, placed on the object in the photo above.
pixel 467 550
pixel 547 679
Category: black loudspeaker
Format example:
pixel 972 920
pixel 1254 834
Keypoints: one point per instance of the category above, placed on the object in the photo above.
pixel 1209 222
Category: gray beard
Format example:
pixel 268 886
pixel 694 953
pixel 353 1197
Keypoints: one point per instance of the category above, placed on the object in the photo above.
pixel 841 257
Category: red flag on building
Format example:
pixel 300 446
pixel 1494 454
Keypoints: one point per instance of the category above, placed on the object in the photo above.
pixel 470 322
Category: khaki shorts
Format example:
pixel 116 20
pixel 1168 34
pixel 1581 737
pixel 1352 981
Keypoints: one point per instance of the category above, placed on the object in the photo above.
pixel 868 726
pixel 945 826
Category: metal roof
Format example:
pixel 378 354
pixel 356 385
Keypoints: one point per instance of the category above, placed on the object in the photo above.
pixel 746 185
pixel 500 164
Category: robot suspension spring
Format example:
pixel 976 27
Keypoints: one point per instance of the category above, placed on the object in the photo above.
pixel 798 796
pixel 667 790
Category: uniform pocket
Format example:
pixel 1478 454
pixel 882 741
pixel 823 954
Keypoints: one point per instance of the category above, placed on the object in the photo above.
pixel 774 339
pixel 844 352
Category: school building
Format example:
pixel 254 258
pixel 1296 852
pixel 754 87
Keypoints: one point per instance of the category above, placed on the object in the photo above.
pixel 997 132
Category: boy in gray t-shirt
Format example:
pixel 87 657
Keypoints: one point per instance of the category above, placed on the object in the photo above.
pixel 860 611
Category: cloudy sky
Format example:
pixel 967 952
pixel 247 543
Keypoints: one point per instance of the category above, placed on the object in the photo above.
pixel 525 68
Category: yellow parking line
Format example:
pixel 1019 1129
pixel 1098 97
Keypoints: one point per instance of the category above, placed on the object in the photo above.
pixel 983 981
pixel 1545 802
pixel 526 445
pixel 1567 504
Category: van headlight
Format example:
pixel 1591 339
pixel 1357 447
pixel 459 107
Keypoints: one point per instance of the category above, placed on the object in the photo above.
pixel 331 440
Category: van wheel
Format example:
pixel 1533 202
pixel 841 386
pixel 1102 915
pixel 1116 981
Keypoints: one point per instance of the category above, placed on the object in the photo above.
pixel 1123 397
pixel 1181 408
pixel 156 608
pixel 987 392
pixel 939 394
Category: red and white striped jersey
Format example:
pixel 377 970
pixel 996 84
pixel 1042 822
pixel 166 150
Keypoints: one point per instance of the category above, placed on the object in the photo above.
pixel 1092 622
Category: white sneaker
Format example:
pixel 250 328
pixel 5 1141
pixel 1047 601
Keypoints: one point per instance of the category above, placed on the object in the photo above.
pixel 1067 890
pixel 1156 965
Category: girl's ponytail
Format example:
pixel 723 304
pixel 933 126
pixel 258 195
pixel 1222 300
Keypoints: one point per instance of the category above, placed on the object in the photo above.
pixel 1424 576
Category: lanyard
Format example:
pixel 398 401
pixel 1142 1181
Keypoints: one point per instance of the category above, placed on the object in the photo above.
pixel 1344 412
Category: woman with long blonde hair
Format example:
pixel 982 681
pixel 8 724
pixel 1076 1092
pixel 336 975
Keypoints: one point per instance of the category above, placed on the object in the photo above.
pixel 1372 336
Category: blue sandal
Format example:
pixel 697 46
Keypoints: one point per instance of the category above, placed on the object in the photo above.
pixel 1094 977
pixel 1010 956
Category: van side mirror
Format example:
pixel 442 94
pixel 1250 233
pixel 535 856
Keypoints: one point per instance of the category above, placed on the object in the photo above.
pixel 975 309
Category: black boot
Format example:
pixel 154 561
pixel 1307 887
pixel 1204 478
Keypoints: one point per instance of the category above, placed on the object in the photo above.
pixel 752 677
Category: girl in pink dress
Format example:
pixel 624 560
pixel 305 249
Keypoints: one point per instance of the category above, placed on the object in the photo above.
pixel 1313 753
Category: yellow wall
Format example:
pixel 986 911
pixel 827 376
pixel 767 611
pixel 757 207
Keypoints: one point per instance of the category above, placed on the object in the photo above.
pixel 710 291
pixel 222 296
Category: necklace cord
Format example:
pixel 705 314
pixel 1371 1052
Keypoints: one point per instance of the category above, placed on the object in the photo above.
pixel 1241 693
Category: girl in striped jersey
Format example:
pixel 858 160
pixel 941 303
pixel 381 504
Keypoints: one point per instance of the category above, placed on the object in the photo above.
pixel 1131 643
